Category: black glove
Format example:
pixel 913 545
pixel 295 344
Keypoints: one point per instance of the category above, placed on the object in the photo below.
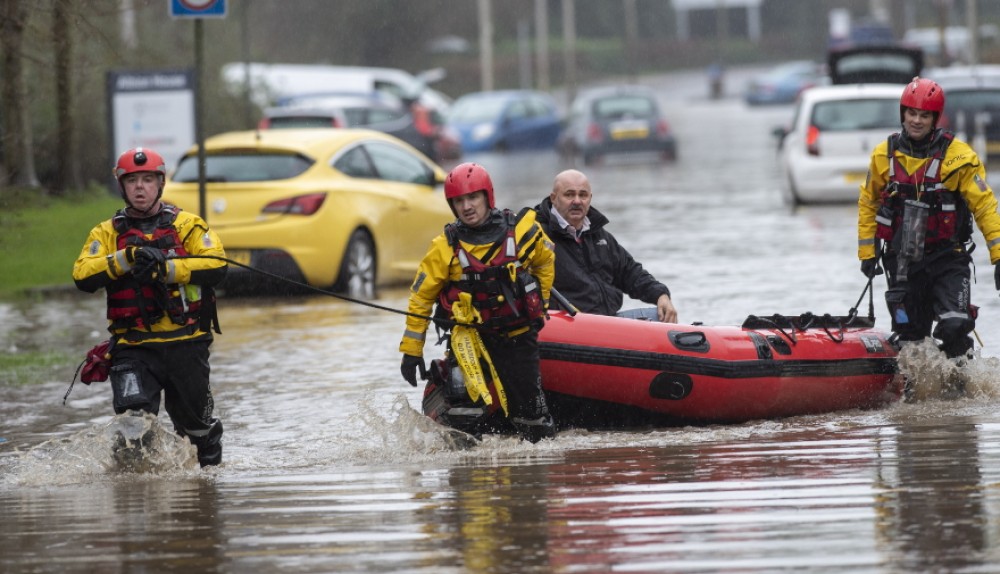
pixel 870 267
pixel 409 369
pixel 996 276
pixel 150 264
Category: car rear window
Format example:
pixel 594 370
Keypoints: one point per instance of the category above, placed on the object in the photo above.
pixel 292 122
pixel 243 167
pixel 848 115
pixel 620 107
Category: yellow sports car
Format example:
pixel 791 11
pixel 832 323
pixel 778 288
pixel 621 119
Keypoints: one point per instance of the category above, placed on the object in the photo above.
pixel 338 209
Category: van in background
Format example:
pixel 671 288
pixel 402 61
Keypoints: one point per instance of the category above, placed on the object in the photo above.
pixel 272 83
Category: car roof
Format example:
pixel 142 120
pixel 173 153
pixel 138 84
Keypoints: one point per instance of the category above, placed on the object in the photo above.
pixel 505 94
pixel 312 142
pixel 339 98
pixel 326 107
pixel 851 92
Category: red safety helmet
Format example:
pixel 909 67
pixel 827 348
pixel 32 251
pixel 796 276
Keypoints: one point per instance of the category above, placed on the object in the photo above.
pixel 468 178
pixel 137 160
pixel 922 94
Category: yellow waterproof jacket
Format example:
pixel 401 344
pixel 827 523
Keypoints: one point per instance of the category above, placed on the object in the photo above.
pixel 961 171
pixel 440 267
pixel 99 264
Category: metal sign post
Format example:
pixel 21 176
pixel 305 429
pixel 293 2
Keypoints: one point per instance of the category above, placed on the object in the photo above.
pixel 198 9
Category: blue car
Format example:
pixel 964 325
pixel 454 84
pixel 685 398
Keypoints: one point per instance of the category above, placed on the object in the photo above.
pixel 783 84
pixel 505 120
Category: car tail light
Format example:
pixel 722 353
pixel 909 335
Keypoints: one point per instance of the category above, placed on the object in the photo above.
pixel 299 205
pixel 812 140
pixel 422 119
pixel 594 133
pixel 264 124
pixel 662 128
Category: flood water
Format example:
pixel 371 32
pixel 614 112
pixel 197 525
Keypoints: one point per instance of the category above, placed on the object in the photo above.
pixel 329 467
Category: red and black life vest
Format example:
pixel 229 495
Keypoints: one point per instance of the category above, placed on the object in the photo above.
pixel 506 295
pixel 133 305
pixel 948 220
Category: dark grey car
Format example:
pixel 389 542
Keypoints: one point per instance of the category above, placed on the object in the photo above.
pixel 972 107
pixel 616 120
pixel 377 111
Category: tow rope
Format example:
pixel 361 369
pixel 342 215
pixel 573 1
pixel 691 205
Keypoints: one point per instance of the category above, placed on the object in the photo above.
pixel 437 320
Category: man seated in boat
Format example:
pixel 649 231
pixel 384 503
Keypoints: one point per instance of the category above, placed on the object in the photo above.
pixel 494 269
pixel 593 271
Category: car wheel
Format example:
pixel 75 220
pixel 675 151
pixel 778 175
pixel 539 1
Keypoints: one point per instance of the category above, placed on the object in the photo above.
pixel 357 269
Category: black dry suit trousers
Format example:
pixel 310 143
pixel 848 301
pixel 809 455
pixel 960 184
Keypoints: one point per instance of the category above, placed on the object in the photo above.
pixel 516 360
pixel 181 372
pixel 937 289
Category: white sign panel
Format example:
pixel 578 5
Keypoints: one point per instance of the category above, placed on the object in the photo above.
pixel 154 109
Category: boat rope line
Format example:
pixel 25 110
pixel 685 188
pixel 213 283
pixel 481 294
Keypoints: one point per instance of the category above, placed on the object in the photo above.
pixel 869 288
pixel 435 320
pixel 718 368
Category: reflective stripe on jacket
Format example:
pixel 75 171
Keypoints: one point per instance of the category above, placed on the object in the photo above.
pixel 440 268
pixel 961 172
pixel 98 267
pixel 503 292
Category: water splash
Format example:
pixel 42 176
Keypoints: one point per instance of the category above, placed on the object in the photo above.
pixel 401 430
pixel 935 376
pixel 127 446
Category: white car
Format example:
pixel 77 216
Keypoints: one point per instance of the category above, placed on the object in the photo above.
pixel 824 154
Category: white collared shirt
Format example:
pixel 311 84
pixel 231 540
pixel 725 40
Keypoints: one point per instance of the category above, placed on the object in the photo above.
pixel 566 225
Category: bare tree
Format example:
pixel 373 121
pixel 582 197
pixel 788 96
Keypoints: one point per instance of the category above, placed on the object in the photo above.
pixel 67 174
pixel 19 163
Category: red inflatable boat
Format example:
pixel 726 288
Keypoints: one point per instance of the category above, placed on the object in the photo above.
pixel 611 369
pixel 618 372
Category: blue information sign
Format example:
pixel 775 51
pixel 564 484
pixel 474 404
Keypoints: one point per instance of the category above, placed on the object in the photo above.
pixel 198 8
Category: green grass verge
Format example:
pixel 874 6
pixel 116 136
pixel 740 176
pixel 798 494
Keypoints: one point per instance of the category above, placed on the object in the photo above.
pixel 41 237
pixel 34 367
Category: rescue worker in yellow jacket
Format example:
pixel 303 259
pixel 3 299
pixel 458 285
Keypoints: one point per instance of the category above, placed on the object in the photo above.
pixel 915 214
pixel 160 309
pixel 494 269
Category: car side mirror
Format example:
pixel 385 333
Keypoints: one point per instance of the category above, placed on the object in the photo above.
pixel 780 133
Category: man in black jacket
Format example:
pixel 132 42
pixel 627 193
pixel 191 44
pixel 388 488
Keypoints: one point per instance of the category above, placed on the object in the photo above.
pixel 592 270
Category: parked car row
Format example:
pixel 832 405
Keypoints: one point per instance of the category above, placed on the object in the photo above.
pixel 824 153
pixel 601 121
pixel 343 190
